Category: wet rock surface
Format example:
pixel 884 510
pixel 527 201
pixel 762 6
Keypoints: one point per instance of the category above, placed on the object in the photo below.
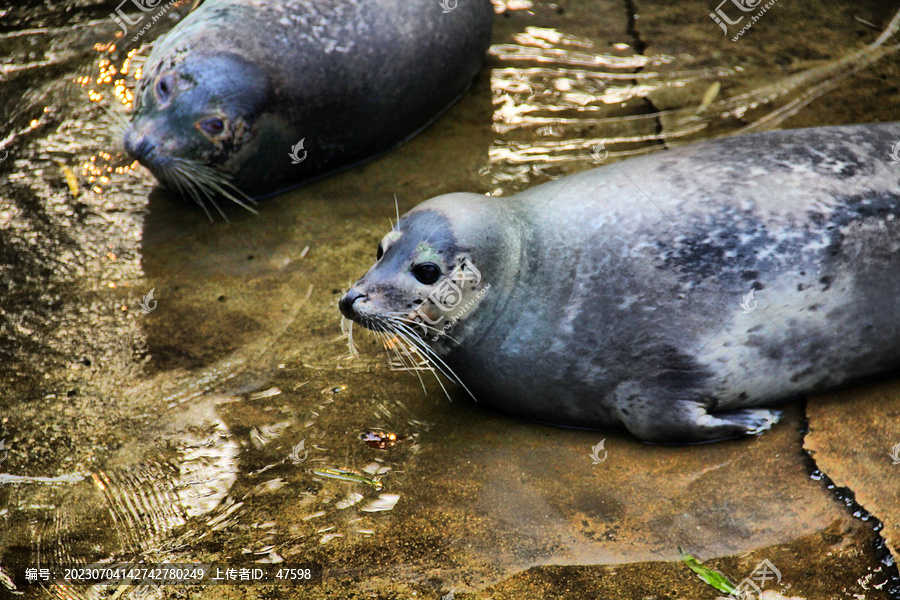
pixel 195 431
pixel 854 438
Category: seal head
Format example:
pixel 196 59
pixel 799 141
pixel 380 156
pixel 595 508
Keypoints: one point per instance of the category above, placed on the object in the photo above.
pixel 200 120
pixel 246 98
pixel 423 276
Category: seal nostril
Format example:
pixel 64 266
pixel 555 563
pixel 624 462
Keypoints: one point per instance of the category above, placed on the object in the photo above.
pixel 346 303
pixel 145 148
pixel 140 149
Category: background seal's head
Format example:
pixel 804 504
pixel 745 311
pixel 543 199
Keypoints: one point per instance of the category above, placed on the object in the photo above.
pixel 199 124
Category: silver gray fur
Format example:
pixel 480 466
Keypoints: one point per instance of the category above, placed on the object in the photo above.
pixel 351 78
pixel 616 294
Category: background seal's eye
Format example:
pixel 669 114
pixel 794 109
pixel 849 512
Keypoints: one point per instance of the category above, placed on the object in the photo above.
pixel 213 126
pixel 426 273
pixel 380 252
pixel 164 88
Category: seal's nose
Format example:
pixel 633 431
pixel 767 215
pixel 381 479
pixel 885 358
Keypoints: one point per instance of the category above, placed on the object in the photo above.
pixel 137 146
pixel 346 303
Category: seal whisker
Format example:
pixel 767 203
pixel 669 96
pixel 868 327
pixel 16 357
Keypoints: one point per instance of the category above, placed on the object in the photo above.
pixel 120 122
pixel 436 360
pixel 211 197
pixel 404 318
pixel 193 187
pixel 397 208
pixel 347 329
pixel 198 186
pixel 433 367
pixel 214 177
pixel 403 356
pixel 171 173
pixel 211 179
pixel 395 344
pixel 190 187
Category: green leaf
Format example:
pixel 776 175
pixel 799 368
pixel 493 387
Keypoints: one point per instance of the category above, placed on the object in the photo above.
pixel 710 576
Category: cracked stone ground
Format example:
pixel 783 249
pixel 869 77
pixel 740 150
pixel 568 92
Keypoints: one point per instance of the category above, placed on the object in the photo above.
pixel 243 357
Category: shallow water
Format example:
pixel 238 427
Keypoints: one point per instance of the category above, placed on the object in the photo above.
pixel 194 432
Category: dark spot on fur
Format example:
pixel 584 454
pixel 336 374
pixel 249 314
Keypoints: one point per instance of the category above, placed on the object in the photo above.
pixel 748 275
pixel 826 281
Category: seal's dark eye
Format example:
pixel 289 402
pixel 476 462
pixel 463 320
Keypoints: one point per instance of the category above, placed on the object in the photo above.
pixel 380 252
pixel 164 88
pixel 426 273
pixel 212 126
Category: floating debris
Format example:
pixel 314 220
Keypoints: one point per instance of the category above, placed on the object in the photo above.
pixel 380 439
pixel 710 576
pixel 345 475
pixel 351 499
pixel 383 502
pixel 710 95
pixel 376 469
pixel 71 179
pixel 272 391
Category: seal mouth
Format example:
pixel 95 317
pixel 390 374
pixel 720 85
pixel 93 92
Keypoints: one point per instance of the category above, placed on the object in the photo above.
pixel 402 335
pixel 190 178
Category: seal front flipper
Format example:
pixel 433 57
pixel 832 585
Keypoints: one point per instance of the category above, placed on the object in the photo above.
pixel 652 414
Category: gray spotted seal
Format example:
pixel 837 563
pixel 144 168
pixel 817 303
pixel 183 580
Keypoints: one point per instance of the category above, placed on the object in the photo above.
pixel 676 294
pixel 248 97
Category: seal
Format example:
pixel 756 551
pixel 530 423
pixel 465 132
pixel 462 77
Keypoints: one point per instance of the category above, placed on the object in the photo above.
pixel 677 294
pixel 245 98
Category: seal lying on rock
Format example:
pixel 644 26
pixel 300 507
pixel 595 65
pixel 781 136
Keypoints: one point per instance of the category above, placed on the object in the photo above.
pixel 674 294
pixel 249 97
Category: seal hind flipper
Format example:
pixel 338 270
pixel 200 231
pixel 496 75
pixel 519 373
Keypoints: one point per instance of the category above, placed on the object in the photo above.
pixel 651 415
